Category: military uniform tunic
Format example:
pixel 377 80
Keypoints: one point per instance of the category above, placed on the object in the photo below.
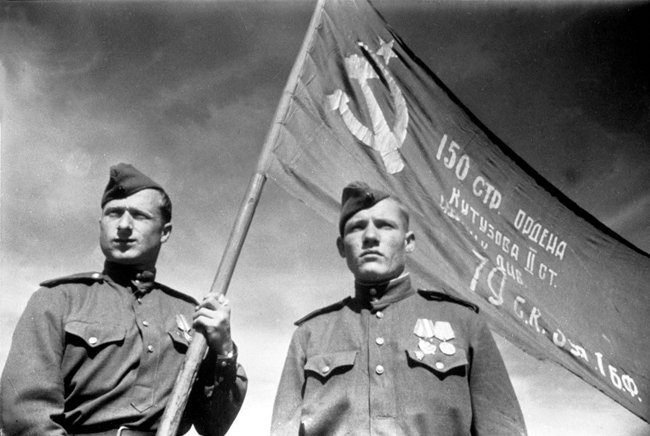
pixel 90 354
pixel 367 366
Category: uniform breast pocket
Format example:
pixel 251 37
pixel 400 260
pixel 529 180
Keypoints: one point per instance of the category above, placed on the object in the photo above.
pixel 180 339
pixel 327 365
pixel 180 331
pixel 441 365
pixel 94 335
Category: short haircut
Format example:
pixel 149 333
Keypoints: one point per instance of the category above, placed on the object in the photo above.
pixel 165 207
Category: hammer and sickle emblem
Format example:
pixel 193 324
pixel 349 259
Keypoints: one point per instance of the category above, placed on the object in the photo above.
pixel 379 136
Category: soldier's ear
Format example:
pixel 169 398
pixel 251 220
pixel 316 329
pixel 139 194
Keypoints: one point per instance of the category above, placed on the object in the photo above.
pixel 409 242
pixel 166 232
pixel 340 246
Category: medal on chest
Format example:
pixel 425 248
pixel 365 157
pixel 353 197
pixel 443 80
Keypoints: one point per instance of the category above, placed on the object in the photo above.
pixel 428 332
pixel 184 327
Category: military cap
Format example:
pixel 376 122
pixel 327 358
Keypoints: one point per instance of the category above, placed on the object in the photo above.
pixel 126 180
pixel 358 196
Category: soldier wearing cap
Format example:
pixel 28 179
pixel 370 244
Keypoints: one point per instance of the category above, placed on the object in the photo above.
pixel 391 360
pixel 98 353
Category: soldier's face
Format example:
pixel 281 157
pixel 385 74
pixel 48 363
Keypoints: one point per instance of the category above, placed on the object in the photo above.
pixel 375 242
pixel 132 230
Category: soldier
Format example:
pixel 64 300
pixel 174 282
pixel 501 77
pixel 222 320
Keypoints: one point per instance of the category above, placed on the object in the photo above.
pixel 391 360
pixel 98 353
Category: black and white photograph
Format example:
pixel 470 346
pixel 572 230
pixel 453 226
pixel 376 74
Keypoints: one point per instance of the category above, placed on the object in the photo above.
pixel 310 217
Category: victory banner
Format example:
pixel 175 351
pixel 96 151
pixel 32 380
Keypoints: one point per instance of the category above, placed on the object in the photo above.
pixel 549 277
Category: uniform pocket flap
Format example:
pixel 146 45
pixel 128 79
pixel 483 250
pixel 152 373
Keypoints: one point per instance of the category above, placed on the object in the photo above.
pixel 439 362
pixel 95 334
pixel 180 339
pixel 326 364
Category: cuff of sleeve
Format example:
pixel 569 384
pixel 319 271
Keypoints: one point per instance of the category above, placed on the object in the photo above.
pixel 225 371
pixel 227 361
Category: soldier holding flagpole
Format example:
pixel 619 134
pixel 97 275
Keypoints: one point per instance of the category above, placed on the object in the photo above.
pixel 97 353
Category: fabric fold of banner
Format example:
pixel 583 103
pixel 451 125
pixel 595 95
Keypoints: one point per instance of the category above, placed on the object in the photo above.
pixel 550 278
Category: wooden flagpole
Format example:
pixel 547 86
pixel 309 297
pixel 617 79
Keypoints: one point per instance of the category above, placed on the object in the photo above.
pixel 187 374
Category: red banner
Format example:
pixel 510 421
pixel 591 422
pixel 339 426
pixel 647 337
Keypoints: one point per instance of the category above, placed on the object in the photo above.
pixel 549 277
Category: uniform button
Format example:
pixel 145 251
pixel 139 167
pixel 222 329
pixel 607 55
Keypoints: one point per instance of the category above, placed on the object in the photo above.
pixel 326 369
pixel 146 323
pixel 379 369
pixel 95 275
pixel 380 341
pixel 440 365
pixel 139 300
pixel 380 314
pixel 373 292
pixel 92 340
pixel 150 348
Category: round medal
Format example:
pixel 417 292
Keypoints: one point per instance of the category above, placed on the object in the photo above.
pixel 447 348
pixel 427 347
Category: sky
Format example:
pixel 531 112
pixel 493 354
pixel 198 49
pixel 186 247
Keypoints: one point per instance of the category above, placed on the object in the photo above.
pixel 186 92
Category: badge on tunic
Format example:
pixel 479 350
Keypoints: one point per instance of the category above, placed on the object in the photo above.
pixel 443 331
pixel 424 328
pixel 184 327
pixel 427 347
pixel 447 348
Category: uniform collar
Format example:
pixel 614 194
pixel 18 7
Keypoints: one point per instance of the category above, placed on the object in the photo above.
pixel 380 295
pixel 138 280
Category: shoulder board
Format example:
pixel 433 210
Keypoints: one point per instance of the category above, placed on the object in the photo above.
pixel 177 294
pixel 331 308
pixel 85 278
pixel 443 296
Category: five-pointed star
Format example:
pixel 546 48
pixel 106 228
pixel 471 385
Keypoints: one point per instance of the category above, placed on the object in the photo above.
pixel 386 50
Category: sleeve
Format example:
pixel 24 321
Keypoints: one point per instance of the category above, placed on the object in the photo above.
pixel 217 395
pixel 31 391
pixel 495 408
pixel 288 400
